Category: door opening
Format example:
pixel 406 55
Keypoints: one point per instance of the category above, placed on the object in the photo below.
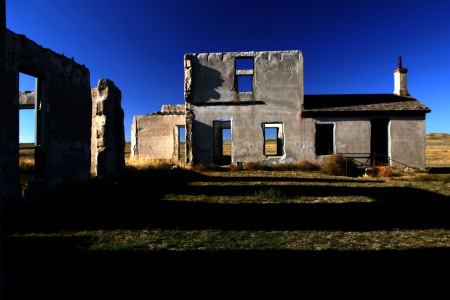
pixel 222 142
pixel 379 141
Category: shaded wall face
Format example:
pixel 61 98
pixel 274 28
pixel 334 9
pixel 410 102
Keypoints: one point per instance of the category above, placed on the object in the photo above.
pixel 276 97
pixel 353 136
pixel 66 100
pixel 156 136
pixel 407 141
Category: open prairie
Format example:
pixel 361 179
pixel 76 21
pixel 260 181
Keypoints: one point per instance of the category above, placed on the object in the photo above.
pixel 438 150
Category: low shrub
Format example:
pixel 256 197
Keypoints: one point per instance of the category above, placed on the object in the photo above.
pixel 383 171
pixel 235 167
pixel 305 165
pixel 339 165
pixel 208 167
pixel 255 166
pixel 271 194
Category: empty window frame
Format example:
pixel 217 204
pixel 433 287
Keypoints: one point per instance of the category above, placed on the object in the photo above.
pixel 324 138
pixel 273 139
pixel 244 74
pixel 31 128
pixel 181 142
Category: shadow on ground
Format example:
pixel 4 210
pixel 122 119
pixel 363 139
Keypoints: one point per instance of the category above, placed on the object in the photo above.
pixel 53 268
pixel 135 203
pixel 44 268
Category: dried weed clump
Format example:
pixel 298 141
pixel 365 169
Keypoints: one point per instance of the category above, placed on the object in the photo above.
pixel 383 171
pixel 26 164
pixel 255 166
pixel 145 163
pixel 339 165
pixel 207 167
pixel 305 165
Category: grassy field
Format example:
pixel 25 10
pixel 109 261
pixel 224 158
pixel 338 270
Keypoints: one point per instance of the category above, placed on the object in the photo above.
pixel 163 230
pixel 211 234
pixel 438 150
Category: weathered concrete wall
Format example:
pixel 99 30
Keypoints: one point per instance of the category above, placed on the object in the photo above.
pixel 351 135
pixel 155 136
pixel 407 141
pixel 66 113
pixel 108 137
pixel 211 94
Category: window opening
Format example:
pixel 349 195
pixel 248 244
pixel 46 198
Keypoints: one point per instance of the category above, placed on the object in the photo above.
pixel 273 139
pixel 324 139
pixel 244 63
pixel 27 128
pixel 244 74
pixel 181 143
pixel 245 84
pixel 226 145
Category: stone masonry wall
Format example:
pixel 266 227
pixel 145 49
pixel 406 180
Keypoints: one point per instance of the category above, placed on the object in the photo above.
pixel 108 139
pixel 65 118
pixel 155 136
pixel 211 95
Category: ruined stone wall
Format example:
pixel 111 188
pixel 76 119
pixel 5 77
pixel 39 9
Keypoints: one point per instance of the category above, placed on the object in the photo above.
pixel 108 137
pixel 212 95
pixel 155 136
pixel 66 113
pixel 9 115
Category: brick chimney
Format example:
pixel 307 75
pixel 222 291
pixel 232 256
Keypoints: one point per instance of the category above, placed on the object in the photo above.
pixel 401 88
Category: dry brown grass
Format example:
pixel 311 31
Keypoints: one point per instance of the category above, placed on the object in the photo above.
pixel 145 163
pixel 338 165
pixel 438 150
pixel 305 165
pixel 383 171
pixel 271 147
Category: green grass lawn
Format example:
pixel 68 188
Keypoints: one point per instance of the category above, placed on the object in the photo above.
pixel 180 231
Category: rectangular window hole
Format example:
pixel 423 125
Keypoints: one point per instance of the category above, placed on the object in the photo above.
pixel 226 144
pixel 181 143
pixel 27 128
pixel 245 83
pixel 244 63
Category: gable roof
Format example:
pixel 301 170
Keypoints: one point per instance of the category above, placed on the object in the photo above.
pixel 357 104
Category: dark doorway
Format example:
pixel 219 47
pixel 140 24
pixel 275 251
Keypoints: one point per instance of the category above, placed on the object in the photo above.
pixel 222 142
pixel 324 139
pixel 379 141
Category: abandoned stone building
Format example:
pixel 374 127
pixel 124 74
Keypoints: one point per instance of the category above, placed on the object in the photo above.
pixel 257 99
pixel 67 114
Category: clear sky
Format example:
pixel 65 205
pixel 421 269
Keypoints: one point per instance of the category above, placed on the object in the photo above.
pixel 349 47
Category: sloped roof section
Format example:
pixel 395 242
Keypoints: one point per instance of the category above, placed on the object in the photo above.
pixel 362 104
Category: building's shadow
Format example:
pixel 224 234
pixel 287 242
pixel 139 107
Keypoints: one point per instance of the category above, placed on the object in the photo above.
pixel 43 268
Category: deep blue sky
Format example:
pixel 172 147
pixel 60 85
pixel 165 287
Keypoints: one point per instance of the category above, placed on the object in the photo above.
pixel 349 47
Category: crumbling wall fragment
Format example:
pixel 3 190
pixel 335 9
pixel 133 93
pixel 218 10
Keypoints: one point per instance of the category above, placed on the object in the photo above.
pixel 108 139
pixel 156 136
